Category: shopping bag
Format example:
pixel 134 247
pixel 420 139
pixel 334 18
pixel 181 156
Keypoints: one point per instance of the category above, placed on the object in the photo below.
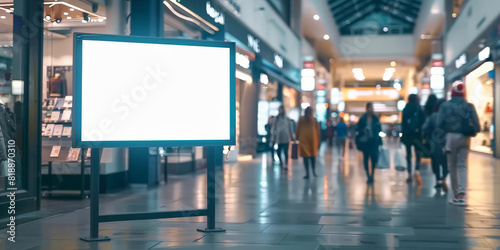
pixel 399 159
pixel 384 159
pixel 295 150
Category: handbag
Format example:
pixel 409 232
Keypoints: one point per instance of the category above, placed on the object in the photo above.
pixel 295 150
pixel 468 128
pixel 383 159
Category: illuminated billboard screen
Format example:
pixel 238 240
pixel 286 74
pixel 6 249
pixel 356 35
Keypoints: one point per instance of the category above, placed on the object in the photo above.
pixel 146 92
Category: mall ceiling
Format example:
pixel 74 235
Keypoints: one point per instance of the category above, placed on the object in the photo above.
pixel 358 17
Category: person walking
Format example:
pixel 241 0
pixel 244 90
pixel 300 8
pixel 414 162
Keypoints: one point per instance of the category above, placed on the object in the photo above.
pixel 308 135
pixel 282 135
pixel 368 139
pixel 435 139
pixel 330 132
pixel 413 119
pixel 269 136
pixel 341 133
pixel 460 122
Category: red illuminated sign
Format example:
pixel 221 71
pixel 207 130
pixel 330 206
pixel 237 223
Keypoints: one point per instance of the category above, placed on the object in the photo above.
pixel 437 63
pixel 308 65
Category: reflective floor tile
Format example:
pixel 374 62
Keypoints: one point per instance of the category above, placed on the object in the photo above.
pixel 253 238
pixel 305 229
pixel 366 230
pixel 78 245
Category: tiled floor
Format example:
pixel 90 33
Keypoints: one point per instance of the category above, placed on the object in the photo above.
pixel 263 208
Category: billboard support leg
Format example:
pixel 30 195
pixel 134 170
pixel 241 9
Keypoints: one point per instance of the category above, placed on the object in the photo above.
pixel 94 198
pixel 211 162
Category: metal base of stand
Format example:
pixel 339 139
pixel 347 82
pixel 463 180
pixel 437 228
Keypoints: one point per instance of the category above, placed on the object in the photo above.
pixel 215 230
pixel 88 239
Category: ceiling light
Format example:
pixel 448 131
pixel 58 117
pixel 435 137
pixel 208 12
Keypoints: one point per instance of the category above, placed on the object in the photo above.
pixel 100 20
pixel 3 17
pixel 58 20
pixel 316 17
pixel 385 29
pixel 393 64
pixel 454 15
pixel 66 13
pixel 84 21
pixel 326 37
pixel 435 11
pixel 69 17
pixel 48 17
pixel 71 9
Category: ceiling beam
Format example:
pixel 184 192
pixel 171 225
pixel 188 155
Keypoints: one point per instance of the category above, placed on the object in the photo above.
pixel 401 7
pixel 358 16
pixel 353 11
pixel 353 4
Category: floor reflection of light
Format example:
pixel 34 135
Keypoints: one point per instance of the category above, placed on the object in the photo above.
pixel 325 188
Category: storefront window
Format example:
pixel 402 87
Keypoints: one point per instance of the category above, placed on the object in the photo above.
pixel 479 84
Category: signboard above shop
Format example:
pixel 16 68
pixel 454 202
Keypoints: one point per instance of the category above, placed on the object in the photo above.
pixel 370 94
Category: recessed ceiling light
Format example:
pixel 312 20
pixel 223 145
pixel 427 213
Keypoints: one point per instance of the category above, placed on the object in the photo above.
pixel 385 29
pixel 100 20
pixel 316 17
pixel 84 21
pixel 66 13
pixel 71 9
pixel 454 15
pixel 69 17
pixel 326 37
pixel 3 17
pixel 393 64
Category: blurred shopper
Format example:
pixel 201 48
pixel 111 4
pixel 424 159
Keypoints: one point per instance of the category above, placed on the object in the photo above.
pixel 413 119
pixel 341 135
pixel 282 135
pixel 430 105
pixel 368 139
pixel 435 139
pixel 459 120
pixel 308 135
pixel 269 136
pixel 330 132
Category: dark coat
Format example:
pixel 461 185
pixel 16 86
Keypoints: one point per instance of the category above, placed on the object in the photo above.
pixel 408 113
pixel 360 133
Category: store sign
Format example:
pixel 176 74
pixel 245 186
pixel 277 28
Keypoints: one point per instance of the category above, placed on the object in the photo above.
pixel 437 71
pixel 308 65
pixel 278 61
pixel 370 94
pixel 215 14
pixel 461 61
pixel 437 63
pixel 253 43
pixel 484 54
pixel 242 61
pixel 437 82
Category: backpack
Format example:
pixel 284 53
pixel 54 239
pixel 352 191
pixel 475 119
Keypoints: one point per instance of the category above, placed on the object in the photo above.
pixel 414 123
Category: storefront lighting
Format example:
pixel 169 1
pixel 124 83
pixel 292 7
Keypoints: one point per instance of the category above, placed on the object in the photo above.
pixel 68 18
pixel 413 90
pixel 401 105
pixel 481 70
pixel 316 17
pixel 335 96
pixel 243 76
pixel 84 21
pixel 307 73
pixel 341 107
pixel 264 79
pixel 397 86
pixel 305 105
pixel 307 83
pixel 326 37
pixel 484 54
pixel 3 17
pixel 437 71
pixel 388 74
pixel 437 82
pixel 66 13
pixel 17 87
pixel 358 74
pixel 100 20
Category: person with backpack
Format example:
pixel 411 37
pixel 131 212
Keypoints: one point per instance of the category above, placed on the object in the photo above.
pixel 435 139
pixel 413 119
pixel 459 121
pixel 368 139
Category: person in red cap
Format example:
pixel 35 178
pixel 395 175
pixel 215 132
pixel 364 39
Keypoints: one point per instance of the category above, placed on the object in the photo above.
pixel 460 122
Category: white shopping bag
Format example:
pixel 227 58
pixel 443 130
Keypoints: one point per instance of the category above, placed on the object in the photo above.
pixel 384 161
pixel 399 159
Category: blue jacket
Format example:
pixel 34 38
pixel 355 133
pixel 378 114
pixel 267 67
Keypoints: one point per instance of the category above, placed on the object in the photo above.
pixel 341 130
